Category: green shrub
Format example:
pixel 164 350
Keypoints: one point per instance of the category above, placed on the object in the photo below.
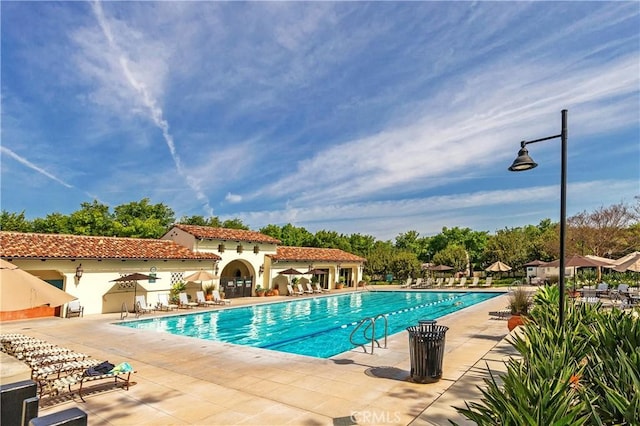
pixel 585 373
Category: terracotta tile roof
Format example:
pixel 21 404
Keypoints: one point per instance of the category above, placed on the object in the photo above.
pixel 315 254
pixel 211 233
pixel 58 246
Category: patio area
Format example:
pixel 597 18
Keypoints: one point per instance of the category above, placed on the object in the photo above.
pixel 185 381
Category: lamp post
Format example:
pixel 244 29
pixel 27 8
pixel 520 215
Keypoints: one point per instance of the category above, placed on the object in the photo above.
pixel 524 162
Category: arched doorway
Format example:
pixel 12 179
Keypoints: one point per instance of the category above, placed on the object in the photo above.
pixel 236 279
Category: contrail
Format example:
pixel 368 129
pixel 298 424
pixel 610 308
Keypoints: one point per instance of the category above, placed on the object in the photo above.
pixel 32 166
pixel 147 99
pixel 42 171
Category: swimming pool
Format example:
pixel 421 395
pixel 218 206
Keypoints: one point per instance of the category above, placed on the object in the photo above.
pixel 313 326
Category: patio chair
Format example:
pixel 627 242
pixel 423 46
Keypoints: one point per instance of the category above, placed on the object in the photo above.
pixel 475 282
pixel 312 290
pixel 407 283
pixel 449 282
pixel 74 309
pixel 142 306
pixel 163 303
pixel 487 282
pixel 201 299
pixel 184 301
pixel 300 289
pixel 417 284
pixel 293 292
pixel 438 282
pixel 218 300
pixel 322 289
pixel 462 282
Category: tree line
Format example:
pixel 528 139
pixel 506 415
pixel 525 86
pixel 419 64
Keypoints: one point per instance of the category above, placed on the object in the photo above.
pixel 611 231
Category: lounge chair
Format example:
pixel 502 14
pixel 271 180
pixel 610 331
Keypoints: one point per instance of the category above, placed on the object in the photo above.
pixel 218 300
pixel 487 282
pixel 163 303
pixel 438 282
pixel 74 309
pixel 293 292
pixel 501 314
pixel 322 289
pixel 449 282
pixel 475 282
pixel 184 302
pixel 312 290
pixel 407 283
pixel 142 307
pixel 202 300
pixel 300 289
pixel 417 284
pixel 462 282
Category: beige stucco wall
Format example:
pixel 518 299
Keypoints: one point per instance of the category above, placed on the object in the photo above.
pixel 96 290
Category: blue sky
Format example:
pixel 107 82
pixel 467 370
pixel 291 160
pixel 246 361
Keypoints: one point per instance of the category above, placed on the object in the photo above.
pixel 373 118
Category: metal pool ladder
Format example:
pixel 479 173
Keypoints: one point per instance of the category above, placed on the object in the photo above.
pixel 370 325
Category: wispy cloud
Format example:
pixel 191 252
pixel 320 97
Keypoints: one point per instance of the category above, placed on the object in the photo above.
pixel 126 68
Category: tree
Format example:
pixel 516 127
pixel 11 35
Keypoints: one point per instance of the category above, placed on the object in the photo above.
pixel 55 223
pixel 509 245
pixel 602 232
pixel 295 236
pixel 92 219
pixel 14 222
pixel 379 260
pixel 212 221
pixel 362 244
pixel 142 219
pixel 473 241
pixel 454 255
pixel 330 239
pixel 405 264
pixel 235 224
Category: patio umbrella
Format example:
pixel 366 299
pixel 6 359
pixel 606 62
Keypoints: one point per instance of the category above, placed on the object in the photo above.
pixel 631 264
pixel 498 267
pixel 291 271
pixel 20 290
pixel 440 268
pixel 316 272
pixel 135 277
pixel 577 261
pixel 534 263
pixel 200 276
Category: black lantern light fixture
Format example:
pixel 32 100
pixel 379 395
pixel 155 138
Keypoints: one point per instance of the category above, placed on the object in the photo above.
pixel 525 162
pixel 261 270
pixel 79 272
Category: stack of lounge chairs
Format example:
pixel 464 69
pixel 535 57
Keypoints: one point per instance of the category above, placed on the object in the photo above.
pixel 55 369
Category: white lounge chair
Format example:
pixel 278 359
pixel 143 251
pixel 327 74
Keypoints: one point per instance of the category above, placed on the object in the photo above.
pixel 417 284
pixel 184 303
pixel 487 282
pixel 449 282
pixel 312 290
pixel 462 283
pixel 475 282
pixel 218 299
pixel 163 303
pixel 142 306
pixel 438 282
pixel 202 300
pixel 321 289
pixel 407 283
pixel 293 292
pixel 300 289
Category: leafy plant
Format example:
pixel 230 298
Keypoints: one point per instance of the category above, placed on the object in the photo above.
pixel 584 373
pixel 176 289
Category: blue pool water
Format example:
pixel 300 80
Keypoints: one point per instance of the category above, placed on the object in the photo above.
pixel 313 326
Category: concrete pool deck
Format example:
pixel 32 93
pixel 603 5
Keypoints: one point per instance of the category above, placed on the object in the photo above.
pixel 185 381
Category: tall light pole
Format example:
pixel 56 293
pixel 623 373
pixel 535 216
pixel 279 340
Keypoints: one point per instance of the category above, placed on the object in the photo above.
pixel 524 162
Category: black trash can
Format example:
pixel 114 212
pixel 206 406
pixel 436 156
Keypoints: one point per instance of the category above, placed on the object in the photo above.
pixel 426 349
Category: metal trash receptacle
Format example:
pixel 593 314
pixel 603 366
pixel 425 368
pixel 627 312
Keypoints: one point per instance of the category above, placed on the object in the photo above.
pixel 426 350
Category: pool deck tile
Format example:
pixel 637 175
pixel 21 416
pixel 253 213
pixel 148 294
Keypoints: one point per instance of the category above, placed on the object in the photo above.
pixel 181 381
